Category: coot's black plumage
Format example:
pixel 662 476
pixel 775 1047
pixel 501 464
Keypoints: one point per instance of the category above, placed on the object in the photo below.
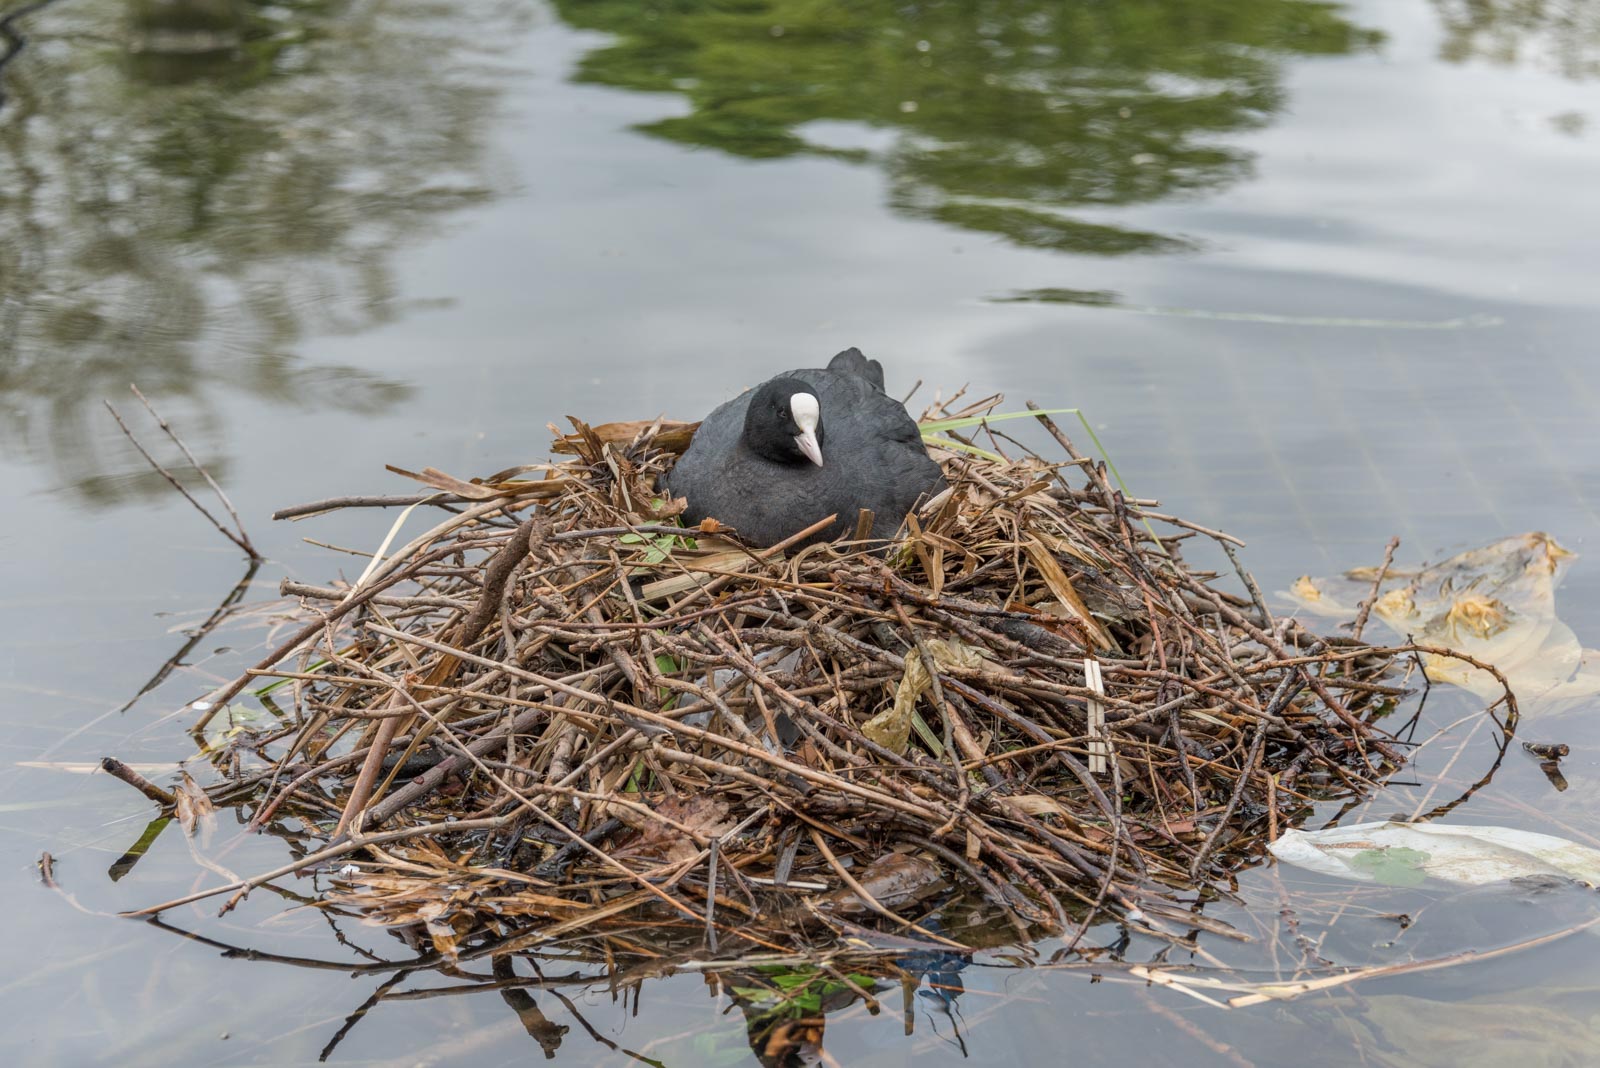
pixel 757 466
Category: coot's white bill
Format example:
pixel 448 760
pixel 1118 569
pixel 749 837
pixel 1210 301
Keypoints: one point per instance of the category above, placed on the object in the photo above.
pixel 806 411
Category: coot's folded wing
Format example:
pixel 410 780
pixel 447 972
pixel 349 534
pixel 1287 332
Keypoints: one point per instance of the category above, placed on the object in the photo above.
pixel 698 471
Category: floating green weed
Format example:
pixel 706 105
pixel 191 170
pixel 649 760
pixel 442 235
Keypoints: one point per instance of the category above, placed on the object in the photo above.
pixel 797 990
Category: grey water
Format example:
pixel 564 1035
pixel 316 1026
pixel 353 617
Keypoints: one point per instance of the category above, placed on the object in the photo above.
pixel 1317 274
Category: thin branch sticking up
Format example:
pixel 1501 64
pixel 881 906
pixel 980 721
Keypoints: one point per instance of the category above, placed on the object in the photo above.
pixel 241 539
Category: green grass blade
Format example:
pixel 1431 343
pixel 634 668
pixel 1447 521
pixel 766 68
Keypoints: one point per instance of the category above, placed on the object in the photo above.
pixel 930 431
pixel 961 446
pixel 1121 485
pixel 267 689
pixel 936 425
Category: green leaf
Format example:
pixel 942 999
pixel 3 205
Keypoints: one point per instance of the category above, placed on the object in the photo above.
pixel 633 785
pixel 659 547
pixel 124 864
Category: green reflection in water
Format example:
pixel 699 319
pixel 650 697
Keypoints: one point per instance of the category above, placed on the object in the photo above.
pixel 1558 35
pixel 1009 118
pixel 191 188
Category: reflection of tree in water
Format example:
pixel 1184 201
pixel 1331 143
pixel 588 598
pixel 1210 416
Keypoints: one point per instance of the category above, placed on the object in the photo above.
pixel 187 200
pixel 1560 35
pixel 784 1008
pixel 1008 115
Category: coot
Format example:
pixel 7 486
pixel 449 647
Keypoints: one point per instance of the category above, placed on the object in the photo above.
pixel 805 445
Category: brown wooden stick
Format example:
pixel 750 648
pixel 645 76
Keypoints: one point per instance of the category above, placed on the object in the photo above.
pixel 527 538
pixel 117 769
pixel 1377 584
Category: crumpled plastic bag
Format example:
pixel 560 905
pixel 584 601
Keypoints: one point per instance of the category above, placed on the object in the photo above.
pixel 1495 603
pixel 891 728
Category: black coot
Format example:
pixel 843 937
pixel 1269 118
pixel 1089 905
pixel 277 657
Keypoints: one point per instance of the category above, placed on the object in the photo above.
pixel 805 445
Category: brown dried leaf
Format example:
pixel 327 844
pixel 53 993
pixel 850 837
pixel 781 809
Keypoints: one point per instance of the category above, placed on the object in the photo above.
pixel 445 925
pixel 894 881
pixel 585 442
pixel 196 814
pixel 1041 805
pixel 702 814
pixel 660 508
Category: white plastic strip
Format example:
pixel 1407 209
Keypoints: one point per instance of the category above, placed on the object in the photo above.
pixel 1099 744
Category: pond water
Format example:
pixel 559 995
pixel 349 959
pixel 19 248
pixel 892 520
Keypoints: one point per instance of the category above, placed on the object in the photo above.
pixel 1317 273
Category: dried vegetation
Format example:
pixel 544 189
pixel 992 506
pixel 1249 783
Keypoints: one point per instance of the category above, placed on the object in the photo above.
pixel 557 712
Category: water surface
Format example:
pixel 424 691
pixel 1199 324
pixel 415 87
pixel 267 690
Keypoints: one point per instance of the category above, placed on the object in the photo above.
pixel 1318 273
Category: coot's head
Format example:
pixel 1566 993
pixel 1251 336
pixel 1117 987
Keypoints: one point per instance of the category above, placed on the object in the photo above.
pixel 784 422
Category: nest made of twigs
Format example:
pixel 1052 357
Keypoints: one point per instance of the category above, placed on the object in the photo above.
pixel 558 709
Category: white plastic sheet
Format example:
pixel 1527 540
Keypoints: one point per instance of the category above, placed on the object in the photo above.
pixel 1408 854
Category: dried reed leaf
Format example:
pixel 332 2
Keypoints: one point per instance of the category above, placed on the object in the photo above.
pixel 670 436
pixel 196 814
pixel 481 490
pixel 1060 585
pixel 726 563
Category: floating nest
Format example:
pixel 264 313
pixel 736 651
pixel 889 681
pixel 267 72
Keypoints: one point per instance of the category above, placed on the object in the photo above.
pixel 559 713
